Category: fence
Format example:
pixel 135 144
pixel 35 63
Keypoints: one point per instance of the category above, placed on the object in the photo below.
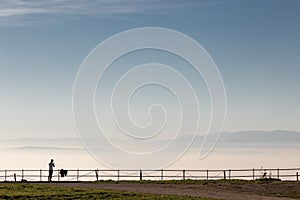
pixel 96 174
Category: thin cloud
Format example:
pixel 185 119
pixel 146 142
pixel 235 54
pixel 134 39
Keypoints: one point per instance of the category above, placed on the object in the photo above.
pixel 19 11
pixel 24 10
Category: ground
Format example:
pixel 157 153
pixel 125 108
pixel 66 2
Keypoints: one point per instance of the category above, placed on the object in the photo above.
pixel 234 189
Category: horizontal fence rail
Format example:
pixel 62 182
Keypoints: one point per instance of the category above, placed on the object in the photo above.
pixel 163 174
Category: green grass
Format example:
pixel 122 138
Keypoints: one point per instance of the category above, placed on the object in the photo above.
pixel 34 191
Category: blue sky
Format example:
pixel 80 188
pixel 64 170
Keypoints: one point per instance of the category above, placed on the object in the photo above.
pixel 255 44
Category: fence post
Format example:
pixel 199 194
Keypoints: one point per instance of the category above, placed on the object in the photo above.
pixel 229 174
pixel 183 174
pixel 277 173
pixel 22 174
pixel 96 171
pixel 207 174
pixel 118 174
pixel 141 175
pixel 40 175
pixel 297 176
pixel 162 174
pixel 253 173
pixel 5 175
pixel 15 177
pixel 224 174
pixel 58 175
pixel 77 175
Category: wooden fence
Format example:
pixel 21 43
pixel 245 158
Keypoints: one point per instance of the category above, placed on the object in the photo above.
pixel 102 174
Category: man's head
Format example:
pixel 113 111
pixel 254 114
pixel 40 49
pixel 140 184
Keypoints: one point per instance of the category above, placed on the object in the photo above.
pixel 52 160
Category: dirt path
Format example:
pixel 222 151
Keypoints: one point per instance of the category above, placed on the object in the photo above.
pixel 219 191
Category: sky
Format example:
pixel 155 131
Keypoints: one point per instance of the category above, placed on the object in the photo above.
pixel 255 45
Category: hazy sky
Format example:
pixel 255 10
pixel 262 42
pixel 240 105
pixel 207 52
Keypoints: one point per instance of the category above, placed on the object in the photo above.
pixel 255 45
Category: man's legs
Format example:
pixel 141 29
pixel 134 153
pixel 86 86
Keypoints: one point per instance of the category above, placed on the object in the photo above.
pixel 50 175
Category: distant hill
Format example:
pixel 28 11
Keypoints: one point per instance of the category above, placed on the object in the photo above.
pixel 242 139
pixel 282 138
pixel 39 148
pixel 265 137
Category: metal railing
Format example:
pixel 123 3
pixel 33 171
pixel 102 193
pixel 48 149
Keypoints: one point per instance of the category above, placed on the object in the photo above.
pixel 108 174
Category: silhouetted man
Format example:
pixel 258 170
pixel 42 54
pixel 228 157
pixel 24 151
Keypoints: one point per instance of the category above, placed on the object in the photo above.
pixel 51 165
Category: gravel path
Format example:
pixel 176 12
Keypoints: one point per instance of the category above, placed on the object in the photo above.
pixel 220 191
